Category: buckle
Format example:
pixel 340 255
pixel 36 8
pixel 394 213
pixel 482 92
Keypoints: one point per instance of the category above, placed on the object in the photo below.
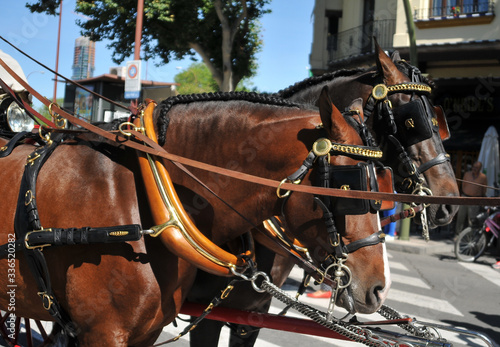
pixel 26 240
pixel 47 300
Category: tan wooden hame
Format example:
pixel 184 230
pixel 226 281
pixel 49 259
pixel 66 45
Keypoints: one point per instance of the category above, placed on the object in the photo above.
pixel 173 225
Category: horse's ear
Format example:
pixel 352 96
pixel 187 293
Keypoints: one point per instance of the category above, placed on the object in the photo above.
pixel 386 67
pixel 333 121
pixel 357 105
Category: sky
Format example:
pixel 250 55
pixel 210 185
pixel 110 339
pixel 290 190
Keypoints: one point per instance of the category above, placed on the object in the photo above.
pixel 286 32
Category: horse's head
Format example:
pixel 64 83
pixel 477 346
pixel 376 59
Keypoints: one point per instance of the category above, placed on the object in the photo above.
pixel 342 235
pixel 411 131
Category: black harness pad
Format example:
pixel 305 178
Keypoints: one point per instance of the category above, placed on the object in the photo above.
pixel 352 177
pixel 412 123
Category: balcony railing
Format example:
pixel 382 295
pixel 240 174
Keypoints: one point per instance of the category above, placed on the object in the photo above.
pixel 359 40
pixel 464 7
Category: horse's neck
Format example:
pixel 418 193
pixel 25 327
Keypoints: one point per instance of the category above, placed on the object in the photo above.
pixel 263 145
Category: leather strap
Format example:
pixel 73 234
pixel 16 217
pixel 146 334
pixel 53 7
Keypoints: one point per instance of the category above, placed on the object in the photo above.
pixel 74 236
pixel 7 149
pixel 371 240
pixel 26 220
pixel 439 159
pixel 409 213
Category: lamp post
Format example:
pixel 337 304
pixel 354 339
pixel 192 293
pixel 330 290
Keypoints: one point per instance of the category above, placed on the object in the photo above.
pixel 138 35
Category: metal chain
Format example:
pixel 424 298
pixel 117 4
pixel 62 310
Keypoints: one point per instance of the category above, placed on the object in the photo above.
pixel 423 191
pixel 352 332
pixel 390 313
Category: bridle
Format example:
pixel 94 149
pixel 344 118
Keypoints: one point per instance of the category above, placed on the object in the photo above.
pixel 359 177
pixel 408 124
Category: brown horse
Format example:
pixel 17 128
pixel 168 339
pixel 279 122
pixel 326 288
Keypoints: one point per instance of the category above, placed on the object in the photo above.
pixel 425 151
pixel 124 294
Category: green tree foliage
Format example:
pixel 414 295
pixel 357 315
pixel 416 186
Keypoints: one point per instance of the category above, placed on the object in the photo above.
pixel 225 33
pixel 197 79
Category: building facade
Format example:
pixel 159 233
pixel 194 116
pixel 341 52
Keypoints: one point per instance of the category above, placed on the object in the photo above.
pixel 458 46
pixel 83 59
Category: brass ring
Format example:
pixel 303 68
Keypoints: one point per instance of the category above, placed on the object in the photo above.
pixel 278 190
pixel 50 108
pixel 126 133
pixel 46 137
pixel 57 117
pixel 226 292
pixel 28 198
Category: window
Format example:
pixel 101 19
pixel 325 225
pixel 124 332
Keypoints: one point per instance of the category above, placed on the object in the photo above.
pixel 333 29
pixel 442 8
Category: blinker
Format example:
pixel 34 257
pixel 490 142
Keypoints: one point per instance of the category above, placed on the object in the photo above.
pixel 353 177
pixel 413 122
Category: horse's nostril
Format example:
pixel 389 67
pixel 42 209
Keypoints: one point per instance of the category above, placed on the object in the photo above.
pixel 445 213
pixel 375 295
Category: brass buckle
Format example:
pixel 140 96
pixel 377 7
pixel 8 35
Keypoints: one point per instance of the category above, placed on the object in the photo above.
pixel 411 213
pixel 28 246
pixel 47 300
pixel 226 292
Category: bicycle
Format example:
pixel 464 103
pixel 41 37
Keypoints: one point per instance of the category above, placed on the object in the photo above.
pixel 472 242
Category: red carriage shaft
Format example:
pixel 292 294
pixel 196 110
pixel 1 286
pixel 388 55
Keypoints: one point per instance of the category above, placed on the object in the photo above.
pixel 271 321
pixel 262 320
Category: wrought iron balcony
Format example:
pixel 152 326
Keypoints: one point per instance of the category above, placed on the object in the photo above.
pixel 359 40
pixel 461 8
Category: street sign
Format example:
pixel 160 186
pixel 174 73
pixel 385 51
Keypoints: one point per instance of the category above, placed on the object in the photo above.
pixel 133 80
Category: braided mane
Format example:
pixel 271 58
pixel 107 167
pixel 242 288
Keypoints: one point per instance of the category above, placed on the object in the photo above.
pixel 315 80
pixel 286 93
pixel 165 106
